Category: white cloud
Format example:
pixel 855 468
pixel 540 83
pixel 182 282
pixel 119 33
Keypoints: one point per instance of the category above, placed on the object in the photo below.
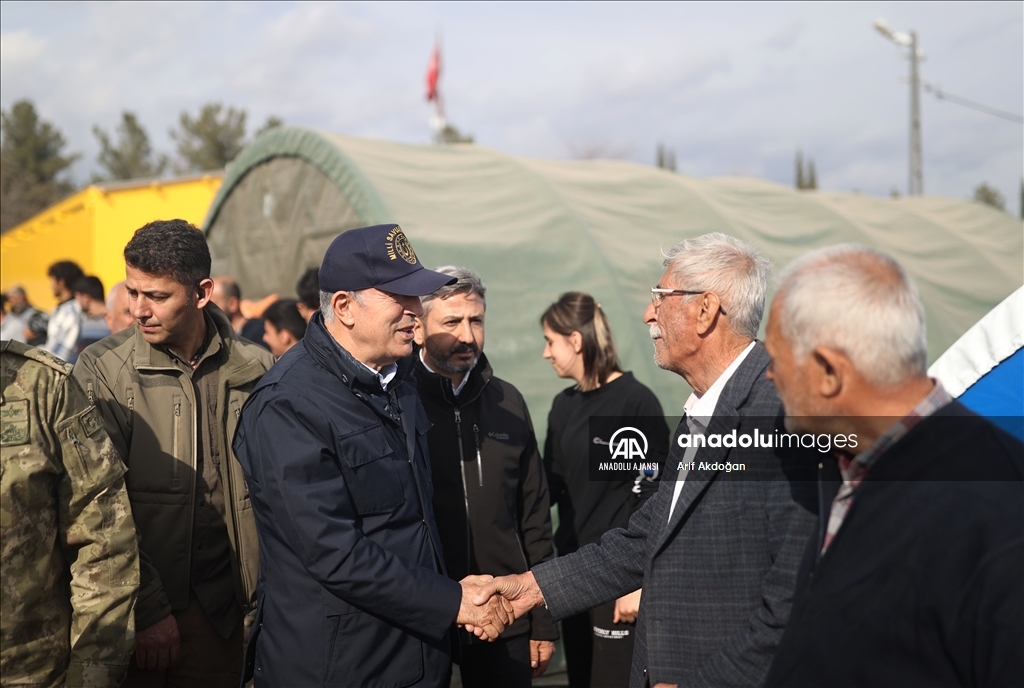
pixel 18 48
pixel 733 88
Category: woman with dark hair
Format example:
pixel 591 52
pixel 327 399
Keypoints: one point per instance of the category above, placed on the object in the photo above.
pixel 578 342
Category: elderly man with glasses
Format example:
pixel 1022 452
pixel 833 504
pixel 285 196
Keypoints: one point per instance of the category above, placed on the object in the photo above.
pixel 716 550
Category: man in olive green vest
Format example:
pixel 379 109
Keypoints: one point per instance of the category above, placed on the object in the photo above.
pixel 170 390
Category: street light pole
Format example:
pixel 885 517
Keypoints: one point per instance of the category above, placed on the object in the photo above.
pixel 916 182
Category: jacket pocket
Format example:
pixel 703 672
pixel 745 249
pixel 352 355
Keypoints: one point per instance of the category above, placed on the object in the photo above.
pixel 370 471
pixel 368 651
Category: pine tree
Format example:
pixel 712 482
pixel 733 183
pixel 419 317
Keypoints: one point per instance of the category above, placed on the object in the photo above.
pixel 210 140
pixel 451 134
pixel 31 164
pixel 271 123
pixel 983 193
pixel 805 180
pixel 665 158
pixel 131 157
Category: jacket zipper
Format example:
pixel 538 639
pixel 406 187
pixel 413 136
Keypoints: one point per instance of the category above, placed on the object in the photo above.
pixel 479 460
pixel 522 549
pixel 176 444
pixel 81 452
pixel 195 479
pixel 230 483
pixel 465 490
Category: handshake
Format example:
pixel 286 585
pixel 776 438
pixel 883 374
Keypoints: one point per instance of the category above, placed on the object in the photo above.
pixel 489 604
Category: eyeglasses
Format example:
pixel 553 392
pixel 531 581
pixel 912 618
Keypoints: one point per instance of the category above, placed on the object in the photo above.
pixel 657 294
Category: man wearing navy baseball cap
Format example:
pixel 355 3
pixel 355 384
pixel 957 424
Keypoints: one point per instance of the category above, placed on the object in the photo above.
pixel 353 588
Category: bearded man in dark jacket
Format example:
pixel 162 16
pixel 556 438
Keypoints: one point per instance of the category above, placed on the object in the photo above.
pixel 490 491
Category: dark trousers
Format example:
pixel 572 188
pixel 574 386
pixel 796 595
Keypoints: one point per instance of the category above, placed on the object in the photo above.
pixel 505 663
pixel 206 657
pixel 613 648
pixel 598 653
pixel 578 642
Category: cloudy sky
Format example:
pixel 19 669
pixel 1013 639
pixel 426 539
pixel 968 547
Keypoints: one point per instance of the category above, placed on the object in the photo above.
pixel 733 88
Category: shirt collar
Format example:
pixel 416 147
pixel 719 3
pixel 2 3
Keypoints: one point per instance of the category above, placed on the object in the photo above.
pixel 455 389
pixel 212 344
pixel 701 408
pixel 935 399
pixel 385 374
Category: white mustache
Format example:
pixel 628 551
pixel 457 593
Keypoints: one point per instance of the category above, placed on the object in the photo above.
pixel 655 331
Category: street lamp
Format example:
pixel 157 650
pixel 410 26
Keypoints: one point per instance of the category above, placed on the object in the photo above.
pixel 909 40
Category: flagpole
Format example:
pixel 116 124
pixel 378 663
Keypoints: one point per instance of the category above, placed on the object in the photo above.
pixel 438 121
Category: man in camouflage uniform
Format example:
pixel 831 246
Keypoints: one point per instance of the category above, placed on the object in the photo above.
pixel 68 553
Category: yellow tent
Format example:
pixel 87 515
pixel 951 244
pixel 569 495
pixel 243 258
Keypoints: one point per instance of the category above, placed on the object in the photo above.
pixel 92 226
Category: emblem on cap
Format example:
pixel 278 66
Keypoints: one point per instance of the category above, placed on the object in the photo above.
pixel 398 245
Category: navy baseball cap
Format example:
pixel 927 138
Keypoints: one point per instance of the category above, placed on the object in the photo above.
pixel 380 257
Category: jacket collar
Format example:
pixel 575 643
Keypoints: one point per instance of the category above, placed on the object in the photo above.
pixel 332 356
pixel 437 385
pixel 724 420
pixel 238 368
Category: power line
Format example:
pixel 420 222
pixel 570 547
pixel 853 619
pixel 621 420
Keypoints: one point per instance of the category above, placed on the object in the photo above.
pixel 959 100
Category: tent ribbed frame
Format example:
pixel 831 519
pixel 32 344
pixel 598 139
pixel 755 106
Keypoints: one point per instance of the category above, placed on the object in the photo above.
pixel 307 144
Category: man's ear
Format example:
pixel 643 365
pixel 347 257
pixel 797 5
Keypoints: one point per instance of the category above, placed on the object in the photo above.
pixel 204 292
pixel 417 332
pixel 707 315
pixel 342 304
pixel 576 339
pixel 830 368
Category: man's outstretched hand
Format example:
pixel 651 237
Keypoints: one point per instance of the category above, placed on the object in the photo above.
pixel 487 618
pixel 519 591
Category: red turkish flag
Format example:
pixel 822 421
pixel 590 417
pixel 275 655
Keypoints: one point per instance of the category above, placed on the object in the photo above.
pixel 433 73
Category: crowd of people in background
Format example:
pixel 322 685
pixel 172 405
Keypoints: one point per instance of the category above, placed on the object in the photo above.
pixel 339 489
pixel 86 313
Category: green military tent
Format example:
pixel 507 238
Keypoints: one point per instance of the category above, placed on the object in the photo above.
pixel 536 228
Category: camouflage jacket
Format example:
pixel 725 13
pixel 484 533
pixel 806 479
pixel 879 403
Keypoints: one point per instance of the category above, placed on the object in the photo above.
pixel 68 550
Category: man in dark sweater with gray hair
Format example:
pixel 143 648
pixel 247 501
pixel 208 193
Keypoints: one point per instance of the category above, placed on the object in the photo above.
pixel 915 574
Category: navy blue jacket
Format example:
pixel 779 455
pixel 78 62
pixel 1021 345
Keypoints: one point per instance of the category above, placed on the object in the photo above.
pixel 352 588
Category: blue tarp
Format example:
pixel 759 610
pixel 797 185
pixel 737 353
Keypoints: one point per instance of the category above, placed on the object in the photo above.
pixel 999 395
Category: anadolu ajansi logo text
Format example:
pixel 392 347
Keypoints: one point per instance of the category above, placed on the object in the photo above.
pixel 628 448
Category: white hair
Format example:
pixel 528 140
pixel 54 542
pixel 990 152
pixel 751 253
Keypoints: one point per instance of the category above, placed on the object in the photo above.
pixel 861 302
pixel 468 283
pixel 327 309
pixel 729 267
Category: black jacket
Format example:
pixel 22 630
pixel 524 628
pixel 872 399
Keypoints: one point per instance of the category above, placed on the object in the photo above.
pixel 490 493
pixel 580 423
pixel 923 584
pixel 352 588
